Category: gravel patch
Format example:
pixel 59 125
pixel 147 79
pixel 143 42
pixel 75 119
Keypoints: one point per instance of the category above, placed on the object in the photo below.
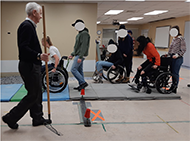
pixel 11 80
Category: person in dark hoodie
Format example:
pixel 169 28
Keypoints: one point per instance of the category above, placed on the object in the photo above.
pixel 81 48
pixel 126 48
pixel 114 60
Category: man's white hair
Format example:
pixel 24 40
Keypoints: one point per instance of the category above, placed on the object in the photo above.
pixel 32 6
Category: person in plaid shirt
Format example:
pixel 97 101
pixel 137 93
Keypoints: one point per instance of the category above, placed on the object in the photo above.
pixel 176 50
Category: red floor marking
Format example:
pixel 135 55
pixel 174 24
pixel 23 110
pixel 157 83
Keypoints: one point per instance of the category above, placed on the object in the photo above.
pixel 185 102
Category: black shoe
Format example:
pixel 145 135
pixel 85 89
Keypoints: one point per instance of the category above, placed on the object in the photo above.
pixel 82 86
pixel 42 121
pixel 11 124
pixel 76 88
pixel 174 90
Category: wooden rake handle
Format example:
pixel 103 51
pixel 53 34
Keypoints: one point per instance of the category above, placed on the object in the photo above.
pixel 45 49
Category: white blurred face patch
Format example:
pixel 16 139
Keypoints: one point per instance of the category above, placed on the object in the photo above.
pixel 79 26
pixel 122 33
pixel 112 48
pixel 173 32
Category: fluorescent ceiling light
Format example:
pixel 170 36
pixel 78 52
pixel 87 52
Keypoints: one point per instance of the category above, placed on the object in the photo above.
pixel 135 18
pixel 187 1
pixel 156 12
pixel 123 22
pixel 134 0
pixel 97 22
pixel 113 12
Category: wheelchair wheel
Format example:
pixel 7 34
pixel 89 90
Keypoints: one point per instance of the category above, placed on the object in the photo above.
pixel 57 80
pixel 66 73
pixel 112 74
pixel 104 74
pixel 165 83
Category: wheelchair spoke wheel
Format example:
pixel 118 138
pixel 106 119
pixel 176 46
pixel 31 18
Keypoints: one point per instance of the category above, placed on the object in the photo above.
pixel 165 83
pixel 114 73
pixel 104 74
pixel 57 80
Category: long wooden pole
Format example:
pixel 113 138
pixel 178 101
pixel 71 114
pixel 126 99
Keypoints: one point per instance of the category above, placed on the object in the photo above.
pixel 45 49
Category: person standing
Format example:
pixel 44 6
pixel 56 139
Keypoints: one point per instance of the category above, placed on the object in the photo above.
pixel 81 48
pixel 126 48
pixel 130 34
pixel 176 50
pixel 30 56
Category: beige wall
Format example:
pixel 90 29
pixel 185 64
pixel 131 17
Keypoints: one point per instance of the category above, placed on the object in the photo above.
pixel 59 17
pixel 152 26
pixel 101 27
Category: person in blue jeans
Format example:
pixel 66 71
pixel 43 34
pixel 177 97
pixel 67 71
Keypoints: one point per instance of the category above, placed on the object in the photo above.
pixel 177 50
pixel 80 52
pixel 114 60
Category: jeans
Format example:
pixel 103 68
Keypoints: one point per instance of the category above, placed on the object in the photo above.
pixel 175 67
pixel 77 70
pixel 101 64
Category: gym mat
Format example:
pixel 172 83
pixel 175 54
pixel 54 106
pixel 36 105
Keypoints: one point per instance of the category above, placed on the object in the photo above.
pixel 64 95
pixel 107 91
pixel 8 91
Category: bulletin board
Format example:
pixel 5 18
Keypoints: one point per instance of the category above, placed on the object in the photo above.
pixel 162 37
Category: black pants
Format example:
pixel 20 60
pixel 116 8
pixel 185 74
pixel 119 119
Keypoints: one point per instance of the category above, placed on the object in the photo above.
pixel 127 64
pixel 31 75
pixel 147 68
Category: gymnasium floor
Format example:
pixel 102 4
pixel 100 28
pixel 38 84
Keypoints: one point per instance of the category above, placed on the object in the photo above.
pixel 121 120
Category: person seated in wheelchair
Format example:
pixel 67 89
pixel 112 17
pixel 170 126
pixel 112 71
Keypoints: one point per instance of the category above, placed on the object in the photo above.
pixel 150 65
pixel 113 61
pixel 54 55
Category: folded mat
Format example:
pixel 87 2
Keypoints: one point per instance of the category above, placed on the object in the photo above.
pixel 64 95
pixel 8 91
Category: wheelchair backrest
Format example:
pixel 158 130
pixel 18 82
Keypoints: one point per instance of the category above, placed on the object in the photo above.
pixel 165 62
pixel 61 61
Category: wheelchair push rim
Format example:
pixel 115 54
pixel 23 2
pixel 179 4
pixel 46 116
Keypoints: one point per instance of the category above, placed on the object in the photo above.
pixel 57 80
pixel 166 83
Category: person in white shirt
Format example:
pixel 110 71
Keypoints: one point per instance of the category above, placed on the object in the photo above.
pixel 54 55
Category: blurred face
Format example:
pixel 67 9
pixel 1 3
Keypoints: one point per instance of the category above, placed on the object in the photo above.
pixel 37 15
pixel 43 43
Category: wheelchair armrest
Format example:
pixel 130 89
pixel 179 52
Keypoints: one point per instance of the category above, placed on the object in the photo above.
pixel 64 57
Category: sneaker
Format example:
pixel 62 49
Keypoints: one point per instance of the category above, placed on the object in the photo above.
pixel 82 86
pixel 42 121
pixel 76 88
pixel 10 123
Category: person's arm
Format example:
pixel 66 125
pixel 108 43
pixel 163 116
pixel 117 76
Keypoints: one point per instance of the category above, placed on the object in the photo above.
pixel 182 47
pixel 156 55
pixel 56 62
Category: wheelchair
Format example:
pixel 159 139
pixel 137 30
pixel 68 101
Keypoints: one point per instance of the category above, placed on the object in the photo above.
pixel 109 74
pixel 162 79
pixel 58 80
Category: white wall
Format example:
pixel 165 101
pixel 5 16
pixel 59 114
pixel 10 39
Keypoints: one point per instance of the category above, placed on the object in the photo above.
pixel 187 38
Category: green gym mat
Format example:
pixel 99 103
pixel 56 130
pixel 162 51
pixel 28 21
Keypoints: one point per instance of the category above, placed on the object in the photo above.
pixel 19 95
pixel 64 95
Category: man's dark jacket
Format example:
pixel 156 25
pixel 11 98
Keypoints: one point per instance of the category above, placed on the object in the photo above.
pixel 28 43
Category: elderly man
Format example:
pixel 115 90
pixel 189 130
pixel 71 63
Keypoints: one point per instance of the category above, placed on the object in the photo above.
pixel 30 56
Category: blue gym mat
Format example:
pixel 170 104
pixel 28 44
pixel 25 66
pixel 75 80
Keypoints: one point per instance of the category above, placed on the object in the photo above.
pixel 8 91
pixel 64 95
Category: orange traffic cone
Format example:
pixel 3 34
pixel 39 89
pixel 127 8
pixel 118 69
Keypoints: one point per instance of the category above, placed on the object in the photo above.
pixel 82 92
